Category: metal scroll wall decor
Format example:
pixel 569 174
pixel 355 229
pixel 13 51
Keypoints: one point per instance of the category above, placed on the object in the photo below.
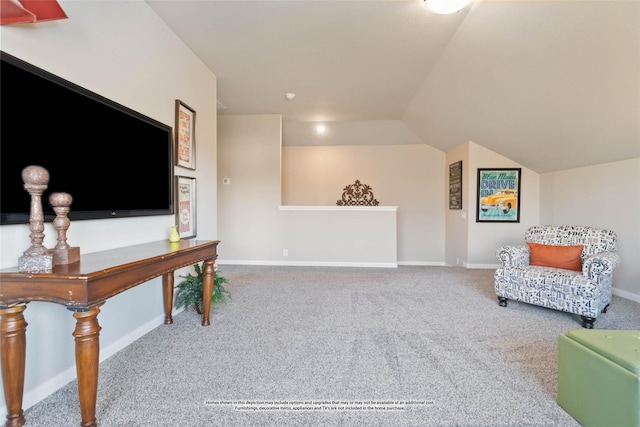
pixel 357 194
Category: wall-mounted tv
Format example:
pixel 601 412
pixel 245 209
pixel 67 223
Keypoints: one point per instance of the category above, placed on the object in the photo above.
pixel 112 160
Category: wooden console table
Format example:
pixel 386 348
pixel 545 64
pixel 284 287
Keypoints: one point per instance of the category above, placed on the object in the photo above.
pixel 83 287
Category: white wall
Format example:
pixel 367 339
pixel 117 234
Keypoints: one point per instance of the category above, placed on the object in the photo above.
pixel 606 196
pixel 408 176
pixel 312 174
pixel 249 156
pixel 350 132
pixel 473 244
pixel 122 51
pixel 340 236
pixel 484 238
pixel 457 224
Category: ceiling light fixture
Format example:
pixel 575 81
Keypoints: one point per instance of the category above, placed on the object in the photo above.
pixel 446 7
pixel 290 96
pixel 320 128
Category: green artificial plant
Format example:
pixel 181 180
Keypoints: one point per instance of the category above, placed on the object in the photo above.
pixel 190 290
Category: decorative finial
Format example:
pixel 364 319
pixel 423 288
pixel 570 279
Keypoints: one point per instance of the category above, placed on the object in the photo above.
pixel 37 258
pixel 63 253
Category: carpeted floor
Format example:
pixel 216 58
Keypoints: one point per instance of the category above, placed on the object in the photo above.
pixel 312 346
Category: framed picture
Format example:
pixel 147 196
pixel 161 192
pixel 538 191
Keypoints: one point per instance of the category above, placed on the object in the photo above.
pixel 186 206
pixel 498 195
pixel 185 136
pixel 455 185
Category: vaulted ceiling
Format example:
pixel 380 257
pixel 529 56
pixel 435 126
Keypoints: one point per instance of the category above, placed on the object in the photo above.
pixel 552 85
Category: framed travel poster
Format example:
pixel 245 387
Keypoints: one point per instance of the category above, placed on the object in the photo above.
pixel 498 195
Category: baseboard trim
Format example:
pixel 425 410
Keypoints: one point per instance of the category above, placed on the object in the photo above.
pixel 626 294
pixel 423 264
pixel 310 263
pixel 481 266
pixel 350 264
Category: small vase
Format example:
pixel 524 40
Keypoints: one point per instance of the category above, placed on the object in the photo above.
pixel 174 236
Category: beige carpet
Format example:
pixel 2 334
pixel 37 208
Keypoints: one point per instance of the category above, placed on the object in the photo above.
pixel 311 346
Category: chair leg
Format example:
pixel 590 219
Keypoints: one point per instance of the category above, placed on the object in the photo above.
pixel 587 322
pixel 502 301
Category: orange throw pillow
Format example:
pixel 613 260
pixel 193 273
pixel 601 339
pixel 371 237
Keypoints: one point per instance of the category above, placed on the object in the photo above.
pixel 567 257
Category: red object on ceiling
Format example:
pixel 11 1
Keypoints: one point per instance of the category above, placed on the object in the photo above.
pixel 15 11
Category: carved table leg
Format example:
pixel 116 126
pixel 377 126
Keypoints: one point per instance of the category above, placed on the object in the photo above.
pixel 13 343
pixel 167 296
pixel 87 336
pixel 207 290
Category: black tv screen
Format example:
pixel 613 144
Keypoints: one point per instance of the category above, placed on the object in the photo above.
pixel 112 160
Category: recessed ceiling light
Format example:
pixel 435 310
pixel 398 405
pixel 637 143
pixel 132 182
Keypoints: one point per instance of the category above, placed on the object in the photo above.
pixel 320 128
pixel 290 96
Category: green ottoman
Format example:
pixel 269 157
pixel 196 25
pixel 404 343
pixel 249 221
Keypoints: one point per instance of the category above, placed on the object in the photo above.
pixel 599 377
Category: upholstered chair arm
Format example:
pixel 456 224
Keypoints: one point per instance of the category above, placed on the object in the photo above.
pixel 513 255
pixel 600 264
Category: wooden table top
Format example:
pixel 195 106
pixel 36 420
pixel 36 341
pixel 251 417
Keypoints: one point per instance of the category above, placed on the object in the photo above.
pixel 101 275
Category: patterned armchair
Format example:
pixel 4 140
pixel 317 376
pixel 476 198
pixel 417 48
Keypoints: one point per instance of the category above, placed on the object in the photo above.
pixel 586 293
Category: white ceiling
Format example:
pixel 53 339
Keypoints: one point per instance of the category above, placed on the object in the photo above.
pixel 552 85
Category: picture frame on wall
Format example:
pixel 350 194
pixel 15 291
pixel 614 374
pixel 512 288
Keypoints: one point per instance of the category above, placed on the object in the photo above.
pixel 498 197
pixel 185 136
pixel 455 185
pixel 186 206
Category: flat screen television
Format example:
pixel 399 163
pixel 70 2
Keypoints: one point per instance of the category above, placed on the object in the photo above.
pixel 112 160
